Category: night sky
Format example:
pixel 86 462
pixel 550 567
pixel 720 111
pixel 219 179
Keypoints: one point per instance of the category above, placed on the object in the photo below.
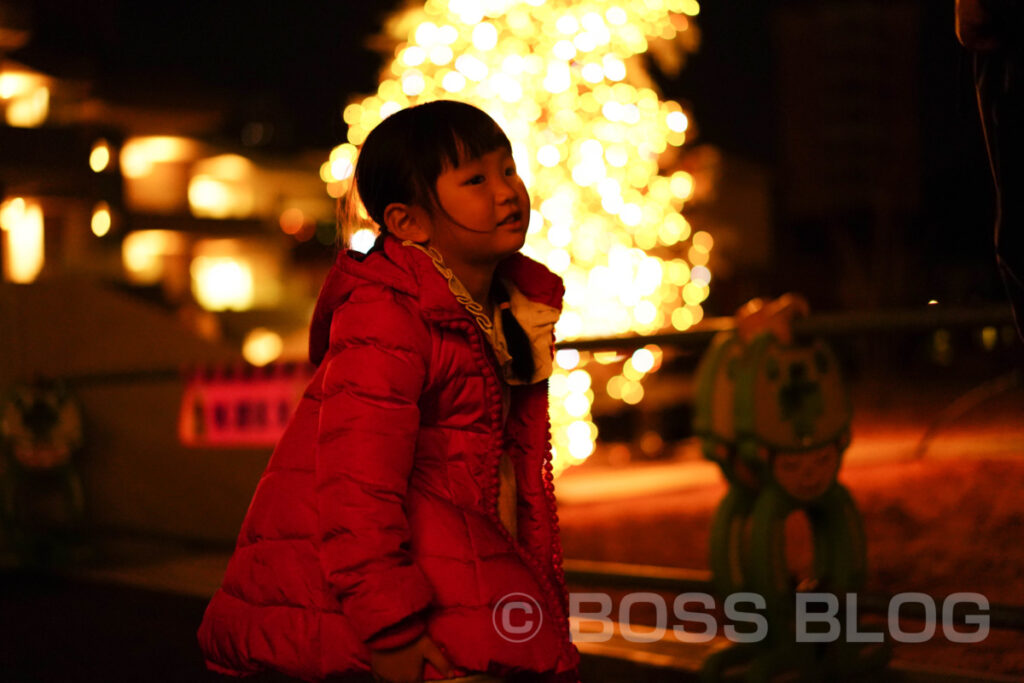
pixel 296 64
pixel 302 60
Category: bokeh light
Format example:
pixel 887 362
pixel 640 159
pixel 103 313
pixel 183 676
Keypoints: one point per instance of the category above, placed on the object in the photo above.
pixel 99 157
pixel 262 346
pixel 144 254
pixel 221 283
pixel 24 241
pixel 101 219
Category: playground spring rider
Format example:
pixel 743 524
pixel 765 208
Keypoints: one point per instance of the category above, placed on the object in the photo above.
pixel 41 496
pixel 775 416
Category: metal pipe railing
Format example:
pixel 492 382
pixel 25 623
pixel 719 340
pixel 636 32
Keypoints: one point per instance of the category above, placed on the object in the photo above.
pixel 823 324
pixel 698 337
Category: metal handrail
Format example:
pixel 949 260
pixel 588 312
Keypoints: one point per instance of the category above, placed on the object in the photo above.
pixel 819 324
pixel 699 336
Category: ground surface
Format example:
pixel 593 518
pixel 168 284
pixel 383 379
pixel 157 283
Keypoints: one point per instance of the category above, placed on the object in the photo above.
pixel 950 521
pixel 58 631
pixel 936 526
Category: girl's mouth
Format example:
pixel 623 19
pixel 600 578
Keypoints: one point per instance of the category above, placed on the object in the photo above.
pixel 514 217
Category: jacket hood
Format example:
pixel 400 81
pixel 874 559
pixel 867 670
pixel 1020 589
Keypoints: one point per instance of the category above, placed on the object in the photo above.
pixel 410 271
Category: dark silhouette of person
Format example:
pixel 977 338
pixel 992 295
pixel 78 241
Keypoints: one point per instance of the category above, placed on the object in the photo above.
pixel 992 30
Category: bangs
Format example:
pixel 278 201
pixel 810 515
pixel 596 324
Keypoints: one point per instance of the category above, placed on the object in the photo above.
pixel 466 137
pixel 450 133
pixel 404 155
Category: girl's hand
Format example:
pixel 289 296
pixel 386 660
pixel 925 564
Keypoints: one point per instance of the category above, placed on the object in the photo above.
pixel 405 664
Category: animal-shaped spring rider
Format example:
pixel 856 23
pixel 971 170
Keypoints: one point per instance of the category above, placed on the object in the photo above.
pixel 774 414
pixel 41 496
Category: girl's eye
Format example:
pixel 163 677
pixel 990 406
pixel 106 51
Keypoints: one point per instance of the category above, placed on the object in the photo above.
pixel 475 180
pixel 510 171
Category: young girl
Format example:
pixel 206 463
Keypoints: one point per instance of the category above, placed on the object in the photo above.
pixel 406 524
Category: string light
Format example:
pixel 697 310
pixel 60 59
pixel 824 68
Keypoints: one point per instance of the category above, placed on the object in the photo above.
pixel 101 219
pixel 99 157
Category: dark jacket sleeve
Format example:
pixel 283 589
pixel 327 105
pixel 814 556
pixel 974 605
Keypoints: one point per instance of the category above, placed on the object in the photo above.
pixel 369 423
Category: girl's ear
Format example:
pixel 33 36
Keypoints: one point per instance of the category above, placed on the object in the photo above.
pixel 407 222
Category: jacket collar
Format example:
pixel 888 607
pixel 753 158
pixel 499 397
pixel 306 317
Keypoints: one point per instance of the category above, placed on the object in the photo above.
pixel 409 270
pixel 437 301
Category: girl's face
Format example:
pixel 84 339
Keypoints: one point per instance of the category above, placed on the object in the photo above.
pixel 485 210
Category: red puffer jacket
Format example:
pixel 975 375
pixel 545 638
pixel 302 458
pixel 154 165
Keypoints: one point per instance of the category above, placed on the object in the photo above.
pixel 376 519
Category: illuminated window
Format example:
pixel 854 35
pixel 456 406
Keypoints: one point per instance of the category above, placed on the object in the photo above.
pixel 222 187
pixel 22 225
pixel 222 283
pixel 235 274
pixel 145 253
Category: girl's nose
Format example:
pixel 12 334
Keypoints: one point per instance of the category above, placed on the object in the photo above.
pixel 505 189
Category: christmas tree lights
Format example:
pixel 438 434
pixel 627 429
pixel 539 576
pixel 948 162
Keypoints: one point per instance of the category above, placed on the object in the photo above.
pixel 598 149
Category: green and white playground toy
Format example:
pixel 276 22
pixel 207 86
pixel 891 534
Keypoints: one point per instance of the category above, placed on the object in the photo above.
pixel 775 416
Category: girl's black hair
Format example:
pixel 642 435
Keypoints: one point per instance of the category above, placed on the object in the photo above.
pixel 519 347
pixel 403 156
pixel 401 160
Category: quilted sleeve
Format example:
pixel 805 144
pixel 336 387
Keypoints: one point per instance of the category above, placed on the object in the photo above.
pixel 369 422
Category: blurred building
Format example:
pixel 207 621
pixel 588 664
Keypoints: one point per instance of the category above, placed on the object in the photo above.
pixel 849 183
pixel 143 234
pixel 153 197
